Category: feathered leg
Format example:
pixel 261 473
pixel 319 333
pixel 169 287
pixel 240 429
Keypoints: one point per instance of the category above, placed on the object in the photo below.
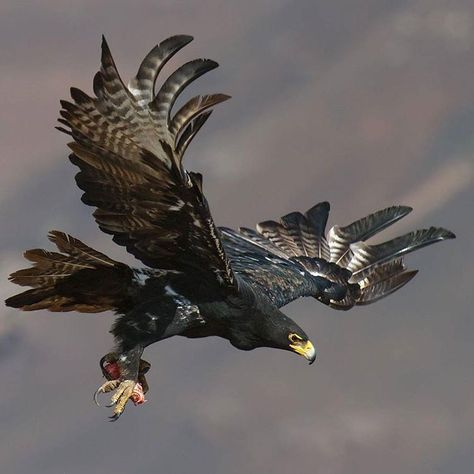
pixel 147 323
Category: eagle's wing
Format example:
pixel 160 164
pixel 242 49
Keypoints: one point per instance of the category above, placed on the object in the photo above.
pixel 295 257
pixel 129 148
pixel 265 268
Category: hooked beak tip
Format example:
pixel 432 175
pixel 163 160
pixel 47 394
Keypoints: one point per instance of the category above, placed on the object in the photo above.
pixel 310 352
pixel 307 351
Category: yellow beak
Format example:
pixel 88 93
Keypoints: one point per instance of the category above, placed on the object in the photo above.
pixel 306 350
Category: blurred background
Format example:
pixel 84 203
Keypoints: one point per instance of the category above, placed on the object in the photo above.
pixel 365 104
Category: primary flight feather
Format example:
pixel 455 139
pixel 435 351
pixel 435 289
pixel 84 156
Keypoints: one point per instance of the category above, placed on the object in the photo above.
pixel 198 280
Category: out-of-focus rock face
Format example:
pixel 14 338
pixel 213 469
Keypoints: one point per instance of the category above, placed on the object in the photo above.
pixel 365 104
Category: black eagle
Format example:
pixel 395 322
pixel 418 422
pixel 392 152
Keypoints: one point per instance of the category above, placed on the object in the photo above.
pixel 199 280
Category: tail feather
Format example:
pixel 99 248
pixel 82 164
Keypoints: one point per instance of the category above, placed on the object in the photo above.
pixel 49 299
pixel 30 300
pixel 78 279
pixel 76 249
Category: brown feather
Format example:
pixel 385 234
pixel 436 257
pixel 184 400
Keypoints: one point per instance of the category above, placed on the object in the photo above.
pixel 79 279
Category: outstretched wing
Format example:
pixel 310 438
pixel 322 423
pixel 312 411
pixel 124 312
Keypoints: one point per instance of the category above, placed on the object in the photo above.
pixel 266 269
pixel 294 257
pixel 129 147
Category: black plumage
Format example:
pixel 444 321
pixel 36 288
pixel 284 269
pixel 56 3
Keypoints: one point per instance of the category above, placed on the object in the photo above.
pixel 199 280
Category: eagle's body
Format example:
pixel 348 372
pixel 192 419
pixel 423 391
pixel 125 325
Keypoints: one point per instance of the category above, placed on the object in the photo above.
pixel 164 307
pixel 198 280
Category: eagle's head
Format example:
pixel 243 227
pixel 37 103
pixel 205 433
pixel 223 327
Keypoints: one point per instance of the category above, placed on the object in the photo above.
pixel 281 332
pixel 276 330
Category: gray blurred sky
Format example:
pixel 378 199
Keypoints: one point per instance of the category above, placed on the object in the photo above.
pixel 366 104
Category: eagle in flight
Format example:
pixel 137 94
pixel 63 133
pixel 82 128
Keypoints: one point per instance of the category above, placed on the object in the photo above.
pixel 197 280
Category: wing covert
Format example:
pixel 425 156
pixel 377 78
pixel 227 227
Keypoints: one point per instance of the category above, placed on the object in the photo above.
pixel 280 279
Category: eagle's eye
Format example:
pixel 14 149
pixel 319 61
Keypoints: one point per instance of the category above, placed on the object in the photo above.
pixel 294 338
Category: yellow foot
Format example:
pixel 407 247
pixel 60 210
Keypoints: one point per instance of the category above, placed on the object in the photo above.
pixel 127 389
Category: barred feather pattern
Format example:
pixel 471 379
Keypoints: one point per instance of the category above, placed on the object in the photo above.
pixel 125 119
pixel 129 146
pixel 67 281
pixel 359 273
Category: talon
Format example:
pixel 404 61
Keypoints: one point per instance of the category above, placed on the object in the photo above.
pixel 115 417
pixel 133 390
pixel 125 391
pixel 104 388
pixel 96 397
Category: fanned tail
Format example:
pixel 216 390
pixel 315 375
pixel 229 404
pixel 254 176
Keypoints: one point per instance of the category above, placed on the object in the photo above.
pixel 361 273
pixel 78 279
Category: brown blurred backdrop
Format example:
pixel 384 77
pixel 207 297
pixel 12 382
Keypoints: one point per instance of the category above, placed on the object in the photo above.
pixel 365 104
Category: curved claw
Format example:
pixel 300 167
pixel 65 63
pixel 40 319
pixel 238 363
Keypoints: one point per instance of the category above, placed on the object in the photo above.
pixel 96 397
pixel 115 417
pixel 106 387
pixel 126 390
